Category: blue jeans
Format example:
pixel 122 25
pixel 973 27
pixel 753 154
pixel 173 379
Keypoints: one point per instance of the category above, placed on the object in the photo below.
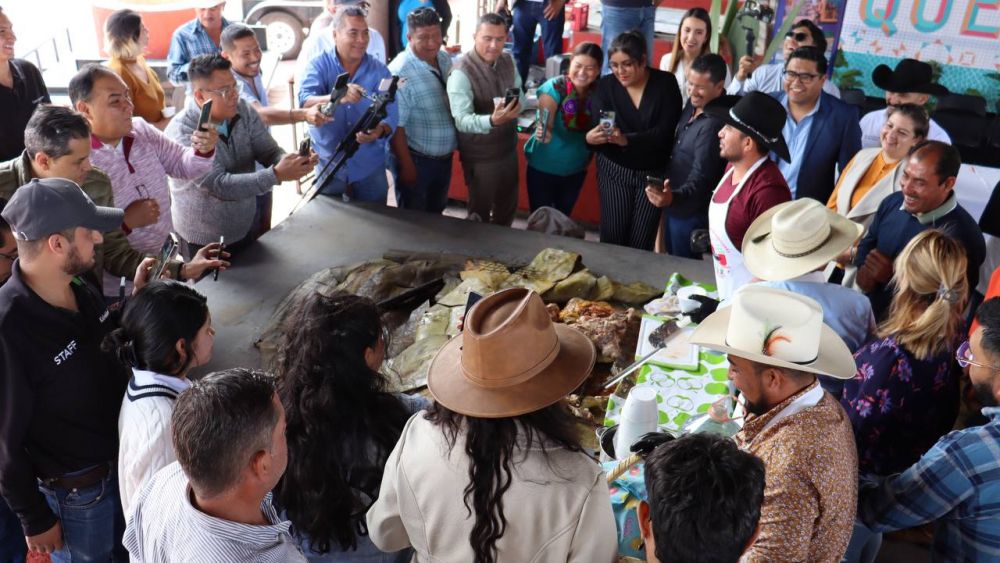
pixel 430 193
pixel 365 553
pixel 374 188
pixel 615 21
pixel 526 16
pixel 677 234
pixel 92 521
pixel 551 190
pixel 12 547
pixel 864 545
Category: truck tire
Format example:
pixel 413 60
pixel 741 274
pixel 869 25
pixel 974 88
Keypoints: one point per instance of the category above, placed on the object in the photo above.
pixel 284 33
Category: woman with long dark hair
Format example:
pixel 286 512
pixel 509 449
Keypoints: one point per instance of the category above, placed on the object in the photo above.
pixel 639 108
pixel 166 331
pixel 693 39
pixel 341 424
pixel 494 473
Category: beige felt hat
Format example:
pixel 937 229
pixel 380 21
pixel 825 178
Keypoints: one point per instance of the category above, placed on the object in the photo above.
pixel 510 359
pixel 778 328
pixel 795 238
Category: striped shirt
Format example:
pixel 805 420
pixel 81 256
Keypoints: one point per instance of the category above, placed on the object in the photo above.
pixel 423 104
pixel 164 527
pixel 138 167
pixel 957 484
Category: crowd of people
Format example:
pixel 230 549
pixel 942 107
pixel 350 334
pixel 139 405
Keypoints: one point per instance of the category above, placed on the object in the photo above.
pixel 847 270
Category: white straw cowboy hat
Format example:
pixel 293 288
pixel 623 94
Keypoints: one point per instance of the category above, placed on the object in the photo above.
pixel 795 238
pixel 510 359
pixel 777 328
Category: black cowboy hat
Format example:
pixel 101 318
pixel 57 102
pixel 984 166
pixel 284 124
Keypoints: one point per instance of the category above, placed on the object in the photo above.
pixel 755 114
pixel 910 75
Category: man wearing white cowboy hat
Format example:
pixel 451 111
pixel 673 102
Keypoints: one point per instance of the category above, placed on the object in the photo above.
pixel 789 246
pixel 777 344
pixel 752 184
pixel 911 82
pixel 497 388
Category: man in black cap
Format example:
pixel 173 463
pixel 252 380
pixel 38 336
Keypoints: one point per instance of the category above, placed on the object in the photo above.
pixel 911 82
pixel 59 393
pixel 752 184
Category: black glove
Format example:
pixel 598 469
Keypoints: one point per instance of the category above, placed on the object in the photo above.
pixel 707 307
pixel 649 442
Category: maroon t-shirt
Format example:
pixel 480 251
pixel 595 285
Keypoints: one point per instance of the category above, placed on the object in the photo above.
pixel 764 189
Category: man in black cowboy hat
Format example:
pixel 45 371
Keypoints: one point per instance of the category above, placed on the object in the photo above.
pixel 752 184
pixel 910 82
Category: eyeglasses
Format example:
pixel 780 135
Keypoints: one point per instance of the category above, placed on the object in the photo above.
pixel 226 92
pixel 803 77
pixel 798 36
pixel 964 357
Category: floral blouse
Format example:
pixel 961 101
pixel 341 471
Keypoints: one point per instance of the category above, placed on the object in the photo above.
pixel 898 405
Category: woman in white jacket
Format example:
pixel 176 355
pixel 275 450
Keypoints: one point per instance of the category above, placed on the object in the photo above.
pixel 166 330
pixel 494 472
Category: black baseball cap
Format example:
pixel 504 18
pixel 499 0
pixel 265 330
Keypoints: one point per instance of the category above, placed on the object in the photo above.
pixel 46 206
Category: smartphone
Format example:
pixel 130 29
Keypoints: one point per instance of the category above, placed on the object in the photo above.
pixel 206 115
pixel 471 300
pixel 511 95
pixel 222 246
pixel 305 146
pixel 654 181
pixel 607 121
pixel 339 91
pixel 167 252
pixel 542 127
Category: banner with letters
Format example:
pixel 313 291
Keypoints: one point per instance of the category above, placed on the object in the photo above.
pixel 961 37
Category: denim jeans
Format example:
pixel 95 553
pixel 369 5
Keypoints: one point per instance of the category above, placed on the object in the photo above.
pixel 365 553
pixel 12 547
pixel 527 15
pixel 615 21
pixel 864 545
pixel 92 521
pixel 550 190
pixel 677 234
pixel 430 193
pixel 373 188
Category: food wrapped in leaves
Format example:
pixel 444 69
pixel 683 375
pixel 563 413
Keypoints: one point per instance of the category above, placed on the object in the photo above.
pixel 458 296
pixel 580 284
pixel 433 323
pixel 635 293
pixel 491 273
pixel 412 364
pixel 604 290
pixel 546 269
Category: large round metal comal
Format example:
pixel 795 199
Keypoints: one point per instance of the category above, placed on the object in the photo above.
pixel 284 33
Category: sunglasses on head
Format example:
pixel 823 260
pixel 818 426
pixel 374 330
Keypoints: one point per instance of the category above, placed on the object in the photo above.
pixel 798 36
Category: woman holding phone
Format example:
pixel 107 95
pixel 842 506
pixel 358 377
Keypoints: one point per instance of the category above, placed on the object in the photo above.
pixel 557 154
pixel 166 331
pixel 639 108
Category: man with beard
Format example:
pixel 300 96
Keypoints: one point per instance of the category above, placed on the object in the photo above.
pixel 956 484
pixel 777 344
pixel 59 393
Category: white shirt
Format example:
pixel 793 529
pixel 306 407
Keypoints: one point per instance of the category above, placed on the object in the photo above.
pixel 871 129
pixel 767 78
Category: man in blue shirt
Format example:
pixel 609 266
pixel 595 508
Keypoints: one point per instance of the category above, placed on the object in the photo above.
pixel 363 177
pixel 926 201
pixel 820 129
pixel 956 484
pixel 425 139
pixel 200 36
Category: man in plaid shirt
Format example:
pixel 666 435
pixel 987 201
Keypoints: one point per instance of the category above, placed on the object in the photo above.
pixel 957 482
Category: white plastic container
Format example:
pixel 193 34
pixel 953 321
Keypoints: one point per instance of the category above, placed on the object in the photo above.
pixel 639 416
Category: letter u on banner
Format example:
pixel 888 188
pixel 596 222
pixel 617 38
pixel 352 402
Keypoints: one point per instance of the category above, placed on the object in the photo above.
pixel 929 26
pixel 880 18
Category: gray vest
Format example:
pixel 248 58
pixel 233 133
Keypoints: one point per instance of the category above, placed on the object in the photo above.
pixel 488 81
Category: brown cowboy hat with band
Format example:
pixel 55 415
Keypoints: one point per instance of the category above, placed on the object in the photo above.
pixel 910 75
pixel 510 359
pixel 756 114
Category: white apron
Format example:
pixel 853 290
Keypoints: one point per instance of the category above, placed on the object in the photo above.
pixel 731 272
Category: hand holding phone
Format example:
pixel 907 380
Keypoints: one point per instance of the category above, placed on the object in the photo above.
pixel 305 147
pixel 222 246
pixel 206 116
pixel 511 95
pixel 167 252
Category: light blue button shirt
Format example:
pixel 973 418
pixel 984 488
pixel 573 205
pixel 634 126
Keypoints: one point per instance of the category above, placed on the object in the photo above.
pixel 796 135
pixel 247 86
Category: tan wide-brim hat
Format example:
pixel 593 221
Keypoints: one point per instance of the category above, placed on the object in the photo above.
pixel 796 237
pixel 510 359
pixel 778 328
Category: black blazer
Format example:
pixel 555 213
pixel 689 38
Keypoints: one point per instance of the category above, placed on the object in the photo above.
pixel 648 128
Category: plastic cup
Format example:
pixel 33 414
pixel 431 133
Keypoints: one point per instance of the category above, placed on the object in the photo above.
pixel 639 416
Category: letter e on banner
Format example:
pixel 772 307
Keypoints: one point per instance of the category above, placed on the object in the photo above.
pixel 974 29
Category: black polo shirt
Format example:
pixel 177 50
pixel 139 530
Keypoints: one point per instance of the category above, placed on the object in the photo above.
pixel 17 104
pixel 59 394
pixel 695 165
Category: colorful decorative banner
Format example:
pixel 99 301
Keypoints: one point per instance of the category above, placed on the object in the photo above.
pixel 960 37
pixel 827 14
